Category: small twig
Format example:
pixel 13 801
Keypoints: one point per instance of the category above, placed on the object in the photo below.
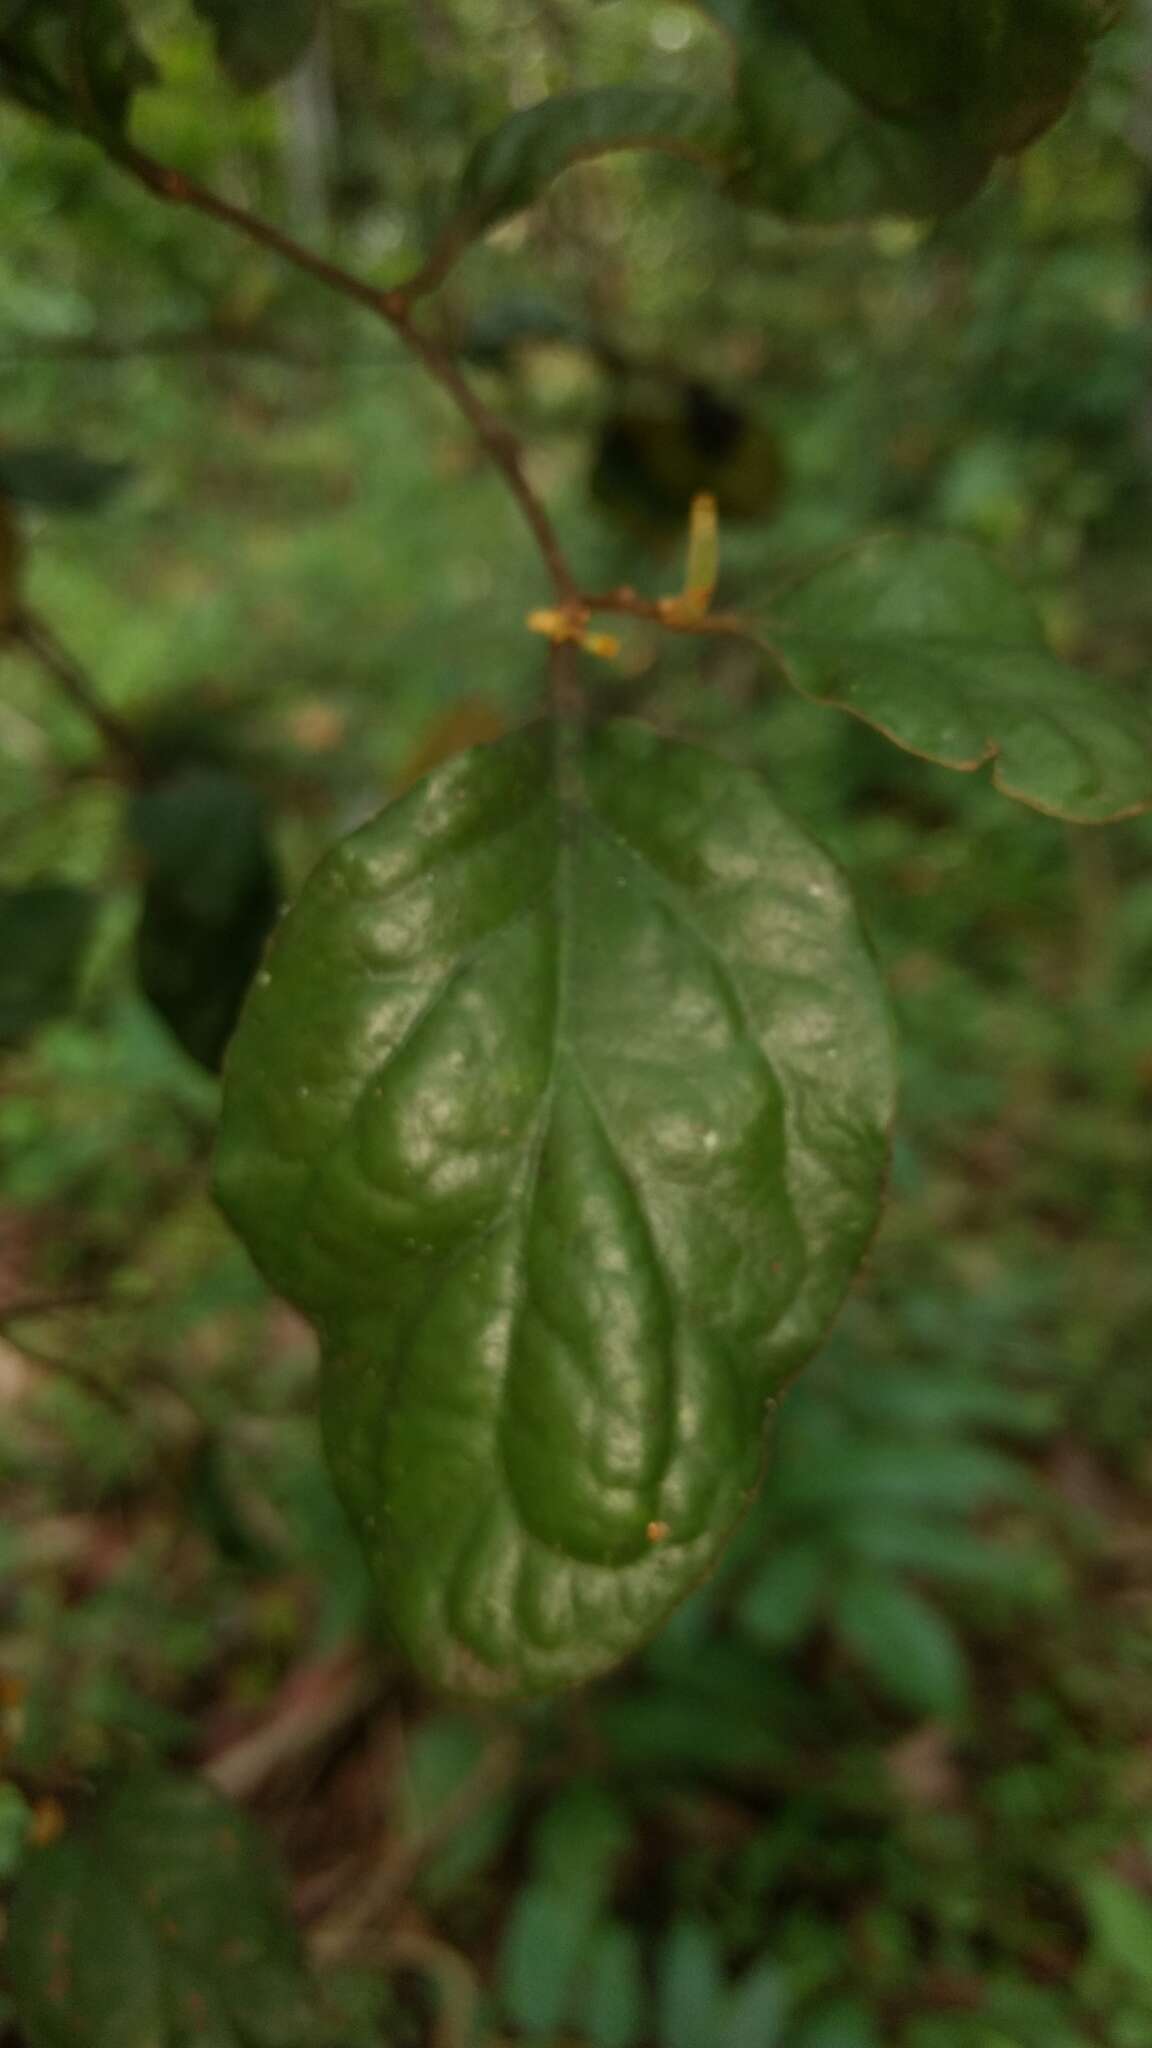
pixel 37 639
pixel 669 613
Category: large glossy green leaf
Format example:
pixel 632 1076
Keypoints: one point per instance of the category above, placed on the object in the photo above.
pixel 928 640
pixel 511 167
pixel 79 66
pixel 1001 71
pixel 160 1920
pixel 259 41
pixel 44 933
pixel 561 1107
pixel 814 152
pixel 211 896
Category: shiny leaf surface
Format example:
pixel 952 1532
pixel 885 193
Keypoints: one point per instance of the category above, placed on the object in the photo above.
pixel 930 642
pixel 561 1108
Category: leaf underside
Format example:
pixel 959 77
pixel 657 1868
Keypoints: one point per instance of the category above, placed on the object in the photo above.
pixel 926 639
pixel 561 1108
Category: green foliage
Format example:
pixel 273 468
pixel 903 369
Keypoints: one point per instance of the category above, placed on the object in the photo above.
pixel 814 153
pixel 78 66
pixel 57 479
pixel 160 1917
pixel 881 1779
pixel 44 935
pixel 1001 72
pixel 926 640
pixel 509 169
pixel 211 895
pixel 554 1033
pixel 258 41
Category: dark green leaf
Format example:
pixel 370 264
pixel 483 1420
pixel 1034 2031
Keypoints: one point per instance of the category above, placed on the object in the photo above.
pixel 550 1933
pixel 561 1107
pixel 509 169
pixel 79 66
pixel 58 479
pixel 259 41
pixel 44 933
pixel 159 1919
pixel 927 640
pixel 815 153
pixel 1000 72
pixel 904 1643
pixel 211 896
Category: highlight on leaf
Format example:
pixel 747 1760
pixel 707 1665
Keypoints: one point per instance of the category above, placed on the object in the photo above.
pixel 561 1107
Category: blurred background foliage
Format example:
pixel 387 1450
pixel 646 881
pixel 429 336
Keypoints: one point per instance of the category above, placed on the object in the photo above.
pixel 887 1782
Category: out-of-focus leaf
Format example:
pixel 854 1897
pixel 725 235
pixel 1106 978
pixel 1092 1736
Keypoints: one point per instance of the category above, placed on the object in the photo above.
pixel 690 1986
pixel 785 1597
pixel 79 66
pixel 545 1943
pixel 926 639
pixel 904 1644
pixel 814 153
pixel 509 169
pixel 757 2011
pixel 611 2009
pixel 44 933
pixel 1121 1922
pixel 160 1919
pixel 548 1937
pixel 1001 71
pixel 212 892
pixel 58 479
pixel 259 41
pixel 842 2024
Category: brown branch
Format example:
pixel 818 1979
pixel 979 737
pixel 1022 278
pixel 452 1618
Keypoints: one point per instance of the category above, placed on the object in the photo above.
pixel 37 639
pixel 671 614
pixel 394 308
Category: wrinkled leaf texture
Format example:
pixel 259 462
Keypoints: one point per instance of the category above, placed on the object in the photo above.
pixel 925 638
pixel 561 1107
pixel 160 1919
